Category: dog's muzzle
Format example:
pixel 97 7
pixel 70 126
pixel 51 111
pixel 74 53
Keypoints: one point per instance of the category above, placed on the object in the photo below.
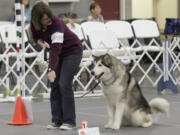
pixel 97 76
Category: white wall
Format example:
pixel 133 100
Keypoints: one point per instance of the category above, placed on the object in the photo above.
pixel 142 9
pixel 166 9
pixel 160 9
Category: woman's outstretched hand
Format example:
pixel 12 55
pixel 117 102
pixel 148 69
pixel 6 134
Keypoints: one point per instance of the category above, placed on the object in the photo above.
pixel 43 44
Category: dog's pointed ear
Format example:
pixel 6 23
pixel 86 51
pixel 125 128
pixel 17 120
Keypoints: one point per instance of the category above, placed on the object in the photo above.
pixel 95 58
pixel 107 60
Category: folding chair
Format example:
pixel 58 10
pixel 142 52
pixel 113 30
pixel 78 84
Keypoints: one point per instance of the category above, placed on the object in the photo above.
pixel 148 29
pixel 5 22
pixel 91 26
pixel 11 29
pixel 122 29
pixel 145 28
pixel 124 33
pixel 76 29
pixel 87 27
pixel 105 41
pixel 12 39
pixel 12 36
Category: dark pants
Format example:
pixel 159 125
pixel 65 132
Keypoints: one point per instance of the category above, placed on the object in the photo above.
pixel 62 95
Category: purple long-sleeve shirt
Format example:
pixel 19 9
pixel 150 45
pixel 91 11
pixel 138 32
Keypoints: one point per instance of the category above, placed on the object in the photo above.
pixel 62 41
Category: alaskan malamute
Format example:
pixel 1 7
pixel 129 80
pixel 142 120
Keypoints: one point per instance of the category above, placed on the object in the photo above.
pixel 125 101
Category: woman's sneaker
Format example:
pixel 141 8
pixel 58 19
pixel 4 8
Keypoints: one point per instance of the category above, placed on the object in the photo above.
pixel 53 126
pixel 67 127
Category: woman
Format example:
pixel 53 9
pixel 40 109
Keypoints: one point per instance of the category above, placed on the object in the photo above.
pixel 96 16
pixel 49 31
pixel 95 10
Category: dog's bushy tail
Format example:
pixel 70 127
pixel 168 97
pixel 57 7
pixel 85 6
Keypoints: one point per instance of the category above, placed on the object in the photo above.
pixel 159 105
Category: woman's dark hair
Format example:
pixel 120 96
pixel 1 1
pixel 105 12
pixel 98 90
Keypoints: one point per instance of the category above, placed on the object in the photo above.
pixel 93 5
pixel 38 12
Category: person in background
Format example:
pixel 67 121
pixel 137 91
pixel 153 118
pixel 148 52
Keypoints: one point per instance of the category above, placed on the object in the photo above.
pixel 95 10
pixel 50 31
pixel 27 13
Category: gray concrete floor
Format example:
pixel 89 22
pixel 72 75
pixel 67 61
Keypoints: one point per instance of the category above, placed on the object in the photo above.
pixel 92 109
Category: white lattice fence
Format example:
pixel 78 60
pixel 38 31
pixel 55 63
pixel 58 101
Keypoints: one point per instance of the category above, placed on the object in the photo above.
pixel 33 71
pixel 174 51
pixel 147 62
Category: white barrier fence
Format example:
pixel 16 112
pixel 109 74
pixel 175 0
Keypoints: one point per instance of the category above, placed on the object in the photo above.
pixel 147 65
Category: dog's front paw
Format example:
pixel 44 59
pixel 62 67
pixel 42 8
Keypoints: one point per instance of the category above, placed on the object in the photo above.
pixel 116 127
pixel 108 126
pixel 147 124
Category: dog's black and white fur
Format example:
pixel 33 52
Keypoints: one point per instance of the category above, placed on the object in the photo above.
pixel 126 104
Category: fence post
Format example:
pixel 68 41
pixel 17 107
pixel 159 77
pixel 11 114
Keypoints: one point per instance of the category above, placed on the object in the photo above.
pixel 166 82
pixel 18 20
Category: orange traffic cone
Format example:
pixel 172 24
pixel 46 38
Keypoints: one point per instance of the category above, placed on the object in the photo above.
pixel 19 114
